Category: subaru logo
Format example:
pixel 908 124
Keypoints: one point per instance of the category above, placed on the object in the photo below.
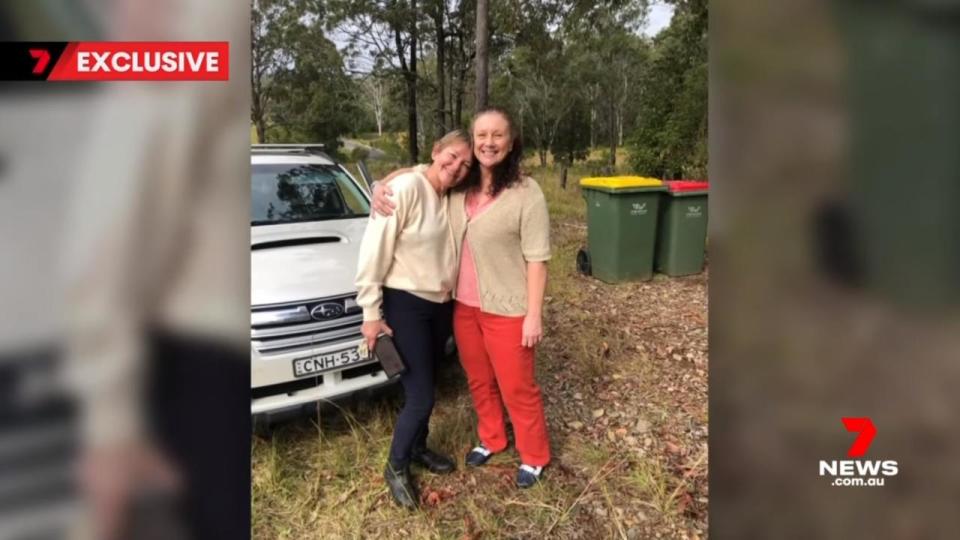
pixel 326 311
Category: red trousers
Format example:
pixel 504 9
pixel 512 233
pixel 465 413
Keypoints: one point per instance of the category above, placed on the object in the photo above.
pixel 500 371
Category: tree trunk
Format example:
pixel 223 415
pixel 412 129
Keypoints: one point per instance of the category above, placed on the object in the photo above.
pixel 451 88
pixel 563 177
pixel 411 76
pixel 458 105
pixel 374 90
pixel 261 130
pixel 421 132
pixel 543 156
pixel 448 84
pixel 440 7
pixel 256 80
pixel 613 136
pixel 593 119
pixel 620 127
pixel 461 85
pixel 483 41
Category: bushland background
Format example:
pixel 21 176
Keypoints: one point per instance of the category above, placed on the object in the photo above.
pixel 596 88
pixel 584 79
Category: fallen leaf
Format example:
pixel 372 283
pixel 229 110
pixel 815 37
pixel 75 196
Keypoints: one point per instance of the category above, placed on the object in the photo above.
pixel 598 413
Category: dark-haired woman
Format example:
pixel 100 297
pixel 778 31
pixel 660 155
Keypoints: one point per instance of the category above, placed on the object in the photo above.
pixel 501 229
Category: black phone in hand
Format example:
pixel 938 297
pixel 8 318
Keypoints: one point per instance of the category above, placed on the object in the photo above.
pixel 389 356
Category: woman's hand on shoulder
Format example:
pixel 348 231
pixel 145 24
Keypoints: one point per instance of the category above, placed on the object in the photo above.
pixel 382 192
pixel 381 200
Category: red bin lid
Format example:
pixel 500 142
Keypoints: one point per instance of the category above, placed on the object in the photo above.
pixel 679 186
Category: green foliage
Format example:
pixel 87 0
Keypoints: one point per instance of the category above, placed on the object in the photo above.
pixel 306 92
pixel 359 154
pixel 578 77
pixel 572 141
pixel 670 139
pixel 391 144
pixel 316 100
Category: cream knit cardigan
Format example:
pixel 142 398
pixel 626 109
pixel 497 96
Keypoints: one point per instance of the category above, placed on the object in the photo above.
pixel 512 231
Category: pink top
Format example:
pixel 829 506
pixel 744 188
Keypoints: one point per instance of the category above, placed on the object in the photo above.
pixel 468 290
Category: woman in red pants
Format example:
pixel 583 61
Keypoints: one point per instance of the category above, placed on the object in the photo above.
pixel 501 228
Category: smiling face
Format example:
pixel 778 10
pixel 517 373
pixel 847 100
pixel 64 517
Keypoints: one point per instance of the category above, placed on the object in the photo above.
pixel 451 163
pixel 492 140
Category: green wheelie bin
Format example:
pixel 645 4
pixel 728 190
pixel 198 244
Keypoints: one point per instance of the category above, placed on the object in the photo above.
pixel 621 227
pixel 682 230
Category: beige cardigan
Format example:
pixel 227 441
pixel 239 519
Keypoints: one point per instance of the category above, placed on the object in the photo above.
pixel 513 230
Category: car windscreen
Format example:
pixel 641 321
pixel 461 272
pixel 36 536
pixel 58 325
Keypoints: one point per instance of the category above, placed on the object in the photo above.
pixel 291 193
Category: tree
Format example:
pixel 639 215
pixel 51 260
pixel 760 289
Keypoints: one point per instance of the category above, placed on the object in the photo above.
pixel 315 99
pixel 542 87
pixel 572 140
pixel 461 31
pixel 387 32
pixel 269 18
pixel 373 88
pixel 614 59
pixel 438 15
pixel 670 138
pixel 300 90
pixel 483 58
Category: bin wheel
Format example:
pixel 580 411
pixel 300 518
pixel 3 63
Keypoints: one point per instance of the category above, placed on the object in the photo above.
pixel 583 262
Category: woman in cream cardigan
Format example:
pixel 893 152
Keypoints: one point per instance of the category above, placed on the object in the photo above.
pixel 405 278
pixel 501 232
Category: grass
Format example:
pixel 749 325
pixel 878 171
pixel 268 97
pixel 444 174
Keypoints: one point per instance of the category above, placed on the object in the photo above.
pixel 321 477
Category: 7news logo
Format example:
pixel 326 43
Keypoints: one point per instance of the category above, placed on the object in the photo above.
pixel 859 472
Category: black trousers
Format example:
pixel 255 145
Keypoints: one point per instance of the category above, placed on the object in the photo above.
pixel 420 331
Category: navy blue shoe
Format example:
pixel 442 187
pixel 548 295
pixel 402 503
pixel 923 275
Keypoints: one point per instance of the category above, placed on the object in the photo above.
pixel 528 475
pixel 478 456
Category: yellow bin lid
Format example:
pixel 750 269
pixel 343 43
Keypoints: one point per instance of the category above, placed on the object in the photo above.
pixel 620 182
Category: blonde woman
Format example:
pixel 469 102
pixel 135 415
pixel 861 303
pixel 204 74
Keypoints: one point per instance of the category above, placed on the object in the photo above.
pixel 405 278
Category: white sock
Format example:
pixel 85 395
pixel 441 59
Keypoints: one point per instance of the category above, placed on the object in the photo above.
pixel 531 469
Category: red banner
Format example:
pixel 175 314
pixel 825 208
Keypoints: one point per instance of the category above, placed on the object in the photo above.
pixel 143 61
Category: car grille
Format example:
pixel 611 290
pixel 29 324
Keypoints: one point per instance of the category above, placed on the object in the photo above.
pixel 301 326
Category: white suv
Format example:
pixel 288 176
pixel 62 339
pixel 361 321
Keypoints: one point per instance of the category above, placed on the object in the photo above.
pixel 308 217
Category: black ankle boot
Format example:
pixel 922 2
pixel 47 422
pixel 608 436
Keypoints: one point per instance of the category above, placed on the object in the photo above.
pixel 434 462
pixel 401 486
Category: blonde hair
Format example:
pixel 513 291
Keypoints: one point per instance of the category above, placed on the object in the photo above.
pixel 457 135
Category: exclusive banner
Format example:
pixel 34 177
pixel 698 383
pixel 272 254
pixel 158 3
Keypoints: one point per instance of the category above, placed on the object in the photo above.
pixel 115 61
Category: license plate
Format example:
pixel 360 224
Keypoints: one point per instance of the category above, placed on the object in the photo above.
pixel 313 365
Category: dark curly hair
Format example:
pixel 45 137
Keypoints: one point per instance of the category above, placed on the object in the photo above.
pixel 507 172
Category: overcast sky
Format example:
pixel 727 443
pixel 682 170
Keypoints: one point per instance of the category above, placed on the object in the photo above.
pixel 658 19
